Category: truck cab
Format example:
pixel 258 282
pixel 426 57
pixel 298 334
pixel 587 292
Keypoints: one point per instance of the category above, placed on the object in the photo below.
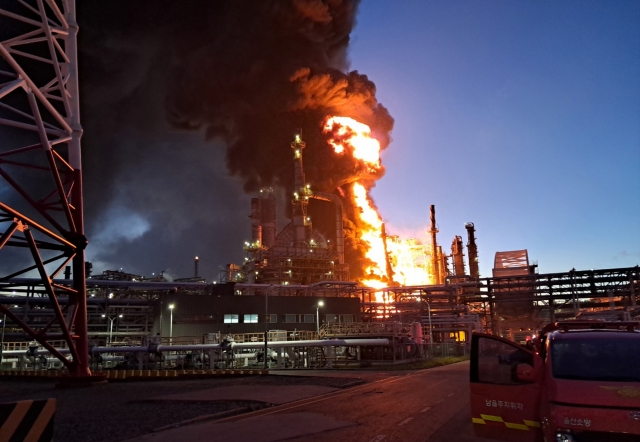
pixel 581 383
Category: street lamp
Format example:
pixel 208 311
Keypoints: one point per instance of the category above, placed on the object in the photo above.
pixel 111 326
pixel 318 305
pixel 171 307
pixel 267 319
pixel 4 323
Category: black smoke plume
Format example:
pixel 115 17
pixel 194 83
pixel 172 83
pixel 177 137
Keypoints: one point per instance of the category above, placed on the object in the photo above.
pixel 246 74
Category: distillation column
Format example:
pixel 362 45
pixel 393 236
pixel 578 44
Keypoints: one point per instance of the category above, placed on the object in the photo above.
pixel 472 249
pixel 300 201
pixel 435 262
pixel 268 217
pixel 458 256
pixel 256 225
pixel 329 197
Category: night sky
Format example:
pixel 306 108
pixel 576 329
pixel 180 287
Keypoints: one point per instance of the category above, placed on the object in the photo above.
pixel 522 117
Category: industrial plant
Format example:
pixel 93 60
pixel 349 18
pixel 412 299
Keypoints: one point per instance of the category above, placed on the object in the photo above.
pixel 299 254
pixel 293 302
pixel 292 295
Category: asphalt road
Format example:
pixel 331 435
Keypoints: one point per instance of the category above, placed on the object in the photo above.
pixel 427 405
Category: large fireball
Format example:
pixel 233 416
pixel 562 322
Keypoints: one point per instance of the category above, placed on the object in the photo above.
pixel 355 138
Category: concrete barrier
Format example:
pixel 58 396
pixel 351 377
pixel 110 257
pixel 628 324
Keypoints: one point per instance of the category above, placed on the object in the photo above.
pixel 27 420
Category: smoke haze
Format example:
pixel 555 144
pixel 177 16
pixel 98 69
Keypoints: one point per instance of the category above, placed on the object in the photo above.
pixel 185 105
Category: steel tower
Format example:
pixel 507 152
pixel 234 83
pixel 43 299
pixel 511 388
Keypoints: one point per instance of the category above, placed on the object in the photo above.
pixel 40 160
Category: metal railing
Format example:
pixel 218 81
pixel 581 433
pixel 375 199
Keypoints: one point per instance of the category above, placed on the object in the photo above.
pixel 362 329
pixel 445 349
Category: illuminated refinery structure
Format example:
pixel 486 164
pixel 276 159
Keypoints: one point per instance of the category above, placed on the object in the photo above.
pixel 443 272
pixel 275 293
pixel 299 254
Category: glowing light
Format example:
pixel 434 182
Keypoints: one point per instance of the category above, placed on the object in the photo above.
pixel 407 258
pixel 353 137
pixel 371 232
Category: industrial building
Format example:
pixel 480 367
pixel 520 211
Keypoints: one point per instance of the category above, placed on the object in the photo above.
pixel 299 254
pixel 224 313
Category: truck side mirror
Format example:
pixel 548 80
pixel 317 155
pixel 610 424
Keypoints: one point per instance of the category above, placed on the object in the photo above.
pixel 526 373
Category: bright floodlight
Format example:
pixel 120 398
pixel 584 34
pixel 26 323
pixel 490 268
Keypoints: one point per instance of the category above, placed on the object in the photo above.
pixel 104 316
pixel 120 316
pixel 171 306
pixel 320 303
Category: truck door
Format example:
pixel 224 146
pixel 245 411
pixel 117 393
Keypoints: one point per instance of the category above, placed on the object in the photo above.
pixel 504 405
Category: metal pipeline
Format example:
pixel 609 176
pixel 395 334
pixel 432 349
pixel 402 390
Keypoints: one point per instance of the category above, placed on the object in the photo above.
pixel 315 343
pixel 154 348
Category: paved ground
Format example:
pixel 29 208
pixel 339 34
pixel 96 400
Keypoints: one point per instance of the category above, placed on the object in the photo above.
pixel 355 405
pixel 270 394
pixel 118 411
pixel 428 405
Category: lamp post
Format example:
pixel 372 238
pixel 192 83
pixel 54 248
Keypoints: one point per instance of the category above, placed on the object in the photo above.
pixel 160 326
pixel 318 305
pixel 111 326
pixel 4 322
pixel 267 318
pixel 430 329
pixel 171 307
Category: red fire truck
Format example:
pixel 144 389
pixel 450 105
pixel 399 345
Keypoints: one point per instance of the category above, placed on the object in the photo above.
pixel 581 382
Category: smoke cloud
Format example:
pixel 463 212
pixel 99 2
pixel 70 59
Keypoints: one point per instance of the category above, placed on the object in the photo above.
pixel 243 75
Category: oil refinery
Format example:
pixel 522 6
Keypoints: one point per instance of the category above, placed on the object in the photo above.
pixel 293 289
pixel 332 288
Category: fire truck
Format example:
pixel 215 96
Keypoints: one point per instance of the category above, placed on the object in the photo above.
pixel 580 382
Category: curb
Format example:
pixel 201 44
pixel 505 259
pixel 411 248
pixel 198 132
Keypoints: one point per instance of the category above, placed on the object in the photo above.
pixel 205 417
pixel 121 375
pixel 353 384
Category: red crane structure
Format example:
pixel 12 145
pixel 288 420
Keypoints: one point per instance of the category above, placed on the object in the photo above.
pixel 40 159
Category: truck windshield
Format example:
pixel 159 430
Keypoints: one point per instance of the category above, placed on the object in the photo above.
pixel 596 359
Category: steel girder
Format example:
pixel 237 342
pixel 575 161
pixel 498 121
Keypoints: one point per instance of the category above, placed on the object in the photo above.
pixel 40 160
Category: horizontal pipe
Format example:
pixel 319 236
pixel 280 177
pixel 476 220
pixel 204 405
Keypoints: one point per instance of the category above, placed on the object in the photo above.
pixel 233 345
pixel 314 343
pixel 17 357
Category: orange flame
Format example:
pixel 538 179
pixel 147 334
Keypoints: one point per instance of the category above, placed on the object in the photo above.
pixel 356 138
pixel 407 257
